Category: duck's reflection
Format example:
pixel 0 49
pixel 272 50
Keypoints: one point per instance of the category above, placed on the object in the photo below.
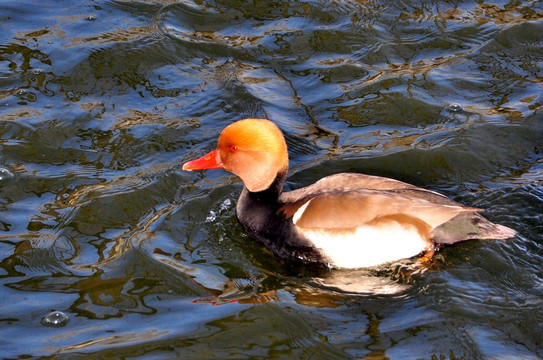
pixel 317 287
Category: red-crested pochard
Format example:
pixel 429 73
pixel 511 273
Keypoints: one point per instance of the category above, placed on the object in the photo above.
pixel 345 220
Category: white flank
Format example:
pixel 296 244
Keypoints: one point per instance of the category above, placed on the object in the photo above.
pixel 366 246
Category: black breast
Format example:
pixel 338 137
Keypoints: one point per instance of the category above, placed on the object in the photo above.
pixel 261 215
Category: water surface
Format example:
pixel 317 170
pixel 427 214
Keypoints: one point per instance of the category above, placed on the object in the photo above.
pixel 102 101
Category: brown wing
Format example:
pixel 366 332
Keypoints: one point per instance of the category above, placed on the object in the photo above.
pixel 342 210
pixel 344 201
pixel 352 182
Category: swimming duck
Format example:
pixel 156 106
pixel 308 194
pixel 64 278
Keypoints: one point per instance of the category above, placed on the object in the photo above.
pixel 346 220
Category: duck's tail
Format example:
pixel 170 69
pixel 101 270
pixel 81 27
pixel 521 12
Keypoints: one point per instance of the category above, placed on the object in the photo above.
pixel 470 226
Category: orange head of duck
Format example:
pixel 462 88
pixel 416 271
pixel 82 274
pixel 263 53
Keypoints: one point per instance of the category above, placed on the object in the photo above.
pixel 253 149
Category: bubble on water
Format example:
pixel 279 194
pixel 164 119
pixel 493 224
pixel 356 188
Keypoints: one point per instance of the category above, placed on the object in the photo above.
pixel 211 217
pixel 37 71
pixel 90 18
pixel 5 174
pixel 55 319
pixel 24 94
pixel 455 107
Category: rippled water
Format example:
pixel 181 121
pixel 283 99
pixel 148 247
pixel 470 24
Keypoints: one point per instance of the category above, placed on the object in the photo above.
pixel 102 101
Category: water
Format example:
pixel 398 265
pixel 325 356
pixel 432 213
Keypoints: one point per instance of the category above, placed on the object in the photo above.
pixel 102 101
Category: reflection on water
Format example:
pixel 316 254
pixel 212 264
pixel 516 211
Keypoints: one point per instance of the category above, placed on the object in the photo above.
pixel 361 282
pixel 100 103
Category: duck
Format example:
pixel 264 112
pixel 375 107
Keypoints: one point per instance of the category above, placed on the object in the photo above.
pixel 345 220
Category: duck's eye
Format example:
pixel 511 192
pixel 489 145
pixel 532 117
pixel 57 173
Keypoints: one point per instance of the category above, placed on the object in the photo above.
pixel 234 148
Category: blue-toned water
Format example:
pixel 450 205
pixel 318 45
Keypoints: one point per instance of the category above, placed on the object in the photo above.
pixel 101 102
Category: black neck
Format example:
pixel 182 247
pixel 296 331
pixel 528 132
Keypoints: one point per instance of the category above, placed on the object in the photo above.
pixel 273 192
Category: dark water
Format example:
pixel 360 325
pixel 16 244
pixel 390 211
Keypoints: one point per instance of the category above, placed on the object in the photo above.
pixel 102 101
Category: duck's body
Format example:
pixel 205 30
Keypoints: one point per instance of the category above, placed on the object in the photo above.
pixel 344 220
